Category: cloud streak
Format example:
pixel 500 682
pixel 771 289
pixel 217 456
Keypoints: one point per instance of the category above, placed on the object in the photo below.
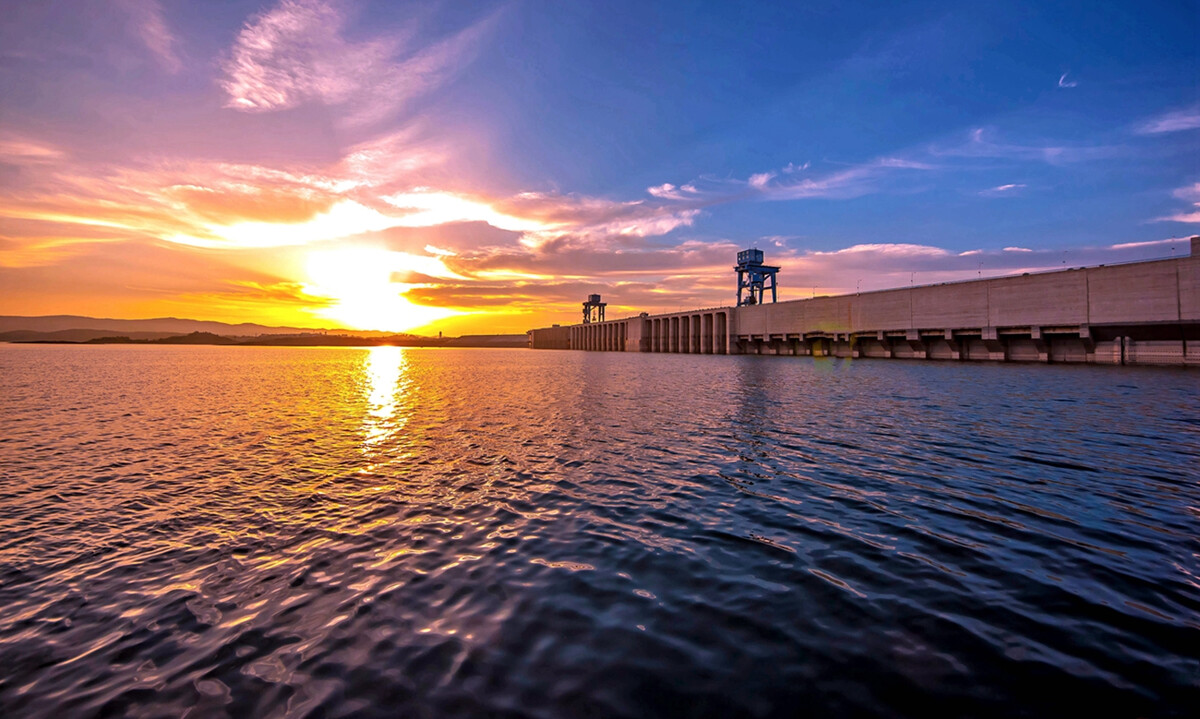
pixel 667 191
pixel 980 143
pixel 1003 190
pixel 1191 194
pixel 1175 121
pixel 792 182
pixel 151 26
pixel 16 149
pixel 297 53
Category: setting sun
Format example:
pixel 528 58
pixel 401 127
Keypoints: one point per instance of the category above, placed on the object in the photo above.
pixel 361 283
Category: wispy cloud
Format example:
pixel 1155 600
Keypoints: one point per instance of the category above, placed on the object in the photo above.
pixel 573 218
pixel 889 173
pixel 297 53
pixel 667 191
pixel 792 182
pixel 854 181
pixel 1064 82
pixel 89 39
pixel 1003 190
pixel 887 265
pixel 294 53
pixel 981 143
pixel 1175 121
pixel 1191 194
pixel 151 26
pixel 760 180
pixel 901 249
pixel 533 280
pixel 16 149
pixel 1148 243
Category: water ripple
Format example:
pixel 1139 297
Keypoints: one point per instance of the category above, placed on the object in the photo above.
pixel 312 532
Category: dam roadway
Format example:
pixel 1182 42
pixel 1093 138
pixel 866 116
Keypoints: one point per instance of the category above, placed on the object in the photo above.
pixel 1137 313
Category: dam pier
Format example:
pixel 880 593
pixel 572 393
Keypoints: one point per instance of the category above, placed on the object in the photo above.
pixel 1136 313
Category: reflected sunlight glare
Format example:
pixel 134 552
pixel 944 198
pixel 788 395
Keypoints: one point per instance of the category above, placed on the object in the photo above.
pixel 386 381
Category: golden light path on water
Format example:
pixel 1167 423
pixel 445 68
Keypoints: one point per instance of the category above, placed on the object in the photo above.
pixel 387 383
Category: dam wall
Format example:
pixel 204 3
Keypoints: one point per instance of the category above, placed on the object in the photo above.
pixel 1134 313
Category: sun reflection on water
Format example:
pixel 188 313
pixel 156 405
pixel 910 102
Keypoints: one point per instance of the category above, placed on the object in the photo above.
pixel 385 371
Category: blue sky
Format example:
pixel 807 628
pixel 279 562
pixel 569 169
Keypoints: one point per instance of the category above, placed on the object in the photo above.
pixel 470 166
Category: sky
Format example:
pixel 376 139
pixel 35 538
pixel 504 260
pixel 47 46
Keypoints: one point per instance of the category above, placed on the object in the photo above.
pixel 483 167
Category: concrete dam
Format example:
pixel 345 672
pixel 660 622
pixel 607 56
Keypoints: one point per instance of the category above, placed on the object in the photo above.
pixel 1136 313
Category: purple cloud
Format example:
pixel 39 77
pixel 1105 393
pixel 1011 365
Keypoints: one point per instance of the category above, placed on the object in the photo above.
pixel 1176 121
pixel 297 52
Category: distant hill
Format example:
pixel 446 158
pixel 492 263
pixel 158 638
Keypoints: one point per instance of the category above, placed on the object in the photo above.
pixel 304 340
pixel 197 338
pixel 75 335
pixel 141 329
pixel 170 330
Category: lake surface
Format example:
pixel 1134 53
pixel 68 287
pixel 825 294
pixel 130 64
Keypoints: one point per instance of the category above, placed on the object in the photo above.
pixel 430 532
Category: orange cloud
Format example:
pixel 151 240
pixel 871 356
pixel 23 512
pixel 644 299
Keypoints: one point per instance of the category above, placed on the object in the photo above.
pixel 20 150
pixel 226 204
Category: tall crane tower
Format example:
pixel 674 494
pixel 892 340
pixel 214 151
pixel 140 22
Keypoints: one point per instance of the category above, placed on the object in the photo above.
pixel 593 309
pixel 754 278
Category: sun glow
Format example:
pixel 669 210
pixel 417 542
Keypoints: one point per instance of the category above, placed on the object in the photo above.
pixel 347 218
pixel 360 283
pixel 436 208
pixel 344 219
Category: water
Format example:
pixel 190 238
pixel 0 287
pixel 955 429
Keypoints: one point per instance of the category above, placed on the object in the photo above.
pixel 391 532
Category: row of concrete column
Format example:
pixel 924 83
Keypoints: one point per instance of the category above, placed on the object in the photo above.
pixel 1029 344
pixel 699 333
pixel 600 336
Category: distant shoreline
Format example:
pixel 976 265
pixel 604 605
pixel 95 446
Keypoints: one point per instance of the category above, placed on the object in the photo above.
pixel 323 340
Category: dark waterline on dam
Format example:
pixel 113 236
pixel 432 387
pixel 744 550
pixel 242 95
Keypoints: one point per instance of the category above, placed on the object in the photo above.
pixel 389 532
